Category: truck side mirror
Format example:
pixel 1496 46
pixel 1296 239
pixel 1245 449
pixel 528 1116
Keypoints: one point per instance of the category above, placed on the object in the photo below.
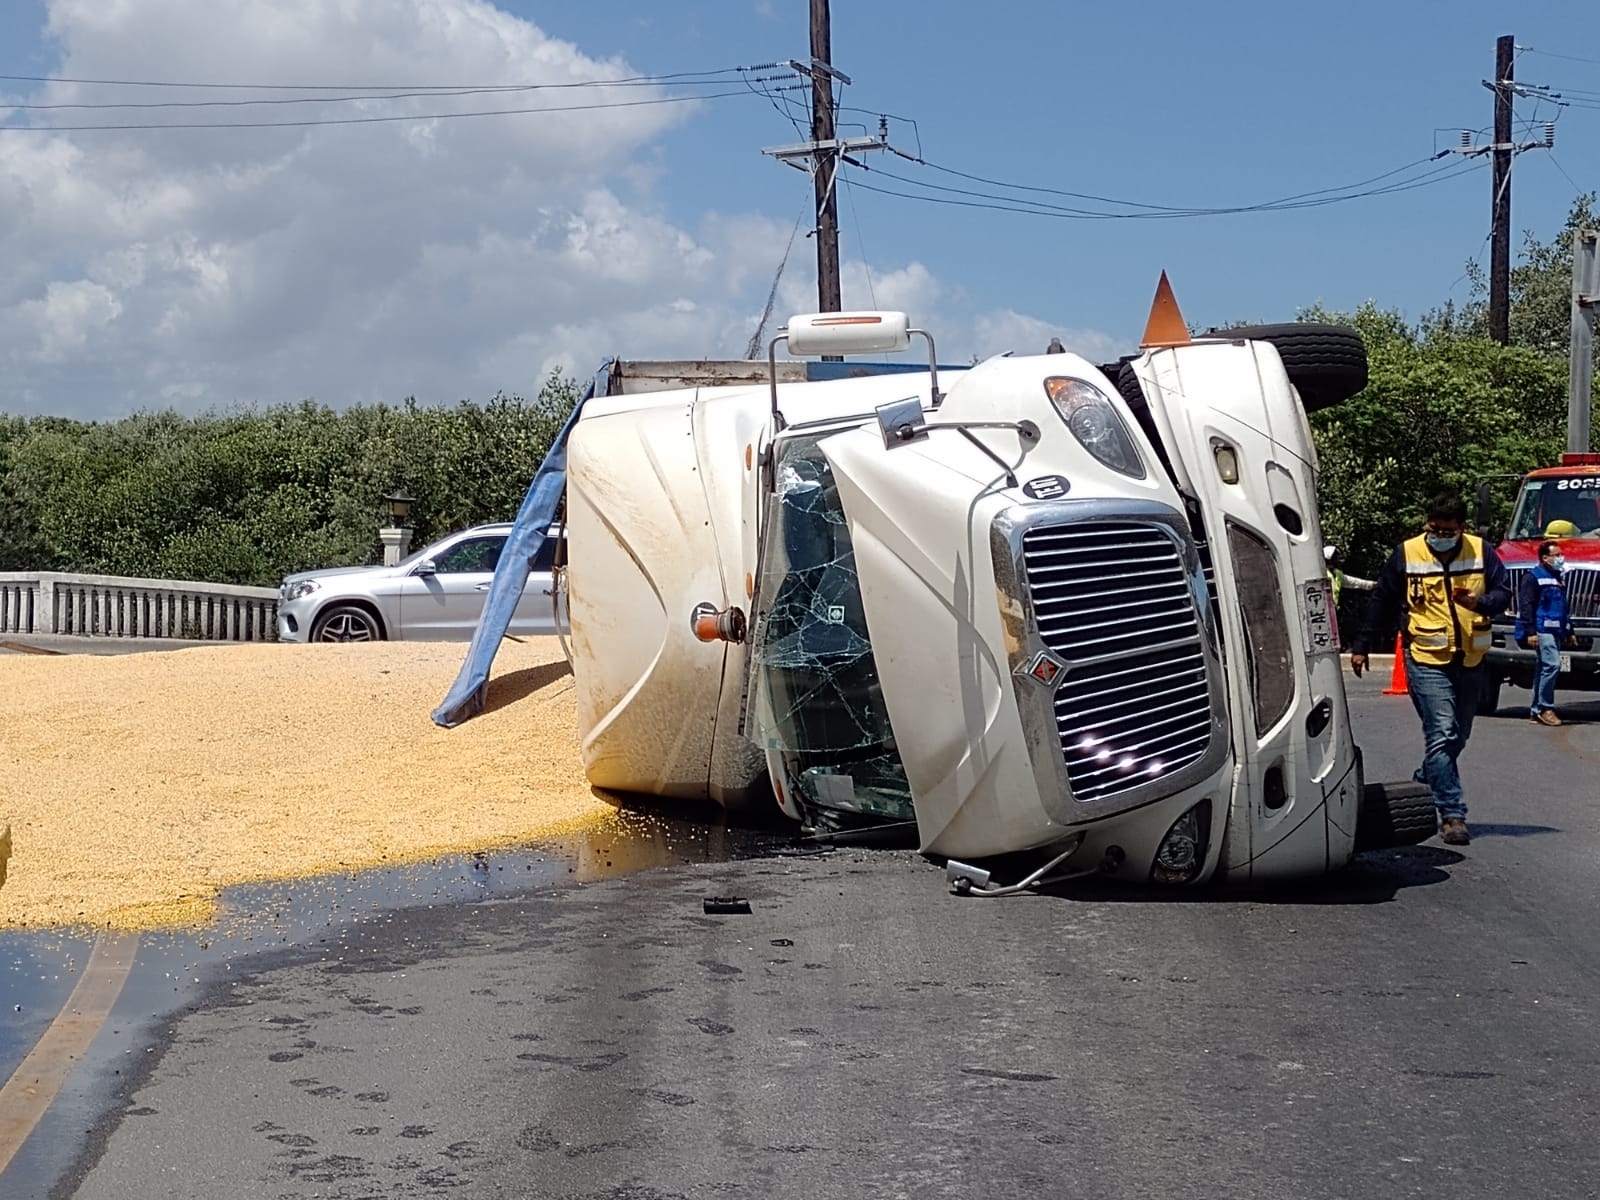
pixel 901 422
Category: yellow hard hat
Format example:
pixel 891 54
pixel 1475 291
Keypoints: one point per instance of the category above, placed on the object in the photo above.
pixel 1560 529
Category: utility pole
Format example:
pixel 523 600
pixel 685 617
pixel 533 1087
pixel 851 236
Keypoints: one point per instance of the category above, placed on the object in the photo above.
pixel 1580 368
pixel 1500 230
pixel 827 161
pixel 1503 149
pixel 824 153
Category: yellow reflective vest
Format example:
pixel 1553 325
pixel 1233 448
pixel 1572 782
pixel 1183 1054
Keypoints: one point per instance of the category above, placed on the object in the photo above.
pixel 1436 626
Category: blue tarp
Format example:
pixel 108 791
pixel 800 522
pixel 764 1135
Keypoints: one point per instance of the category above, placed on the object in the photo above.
pixel 527 538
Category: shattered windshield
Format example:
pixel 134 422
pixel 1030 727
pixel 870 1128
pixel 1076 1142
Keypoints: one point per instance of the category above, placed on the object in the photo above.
pixel 819 702
pixel 1558 508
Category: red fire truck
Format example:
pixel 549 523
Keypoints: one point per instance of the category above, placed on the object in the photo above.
pixel 1560 504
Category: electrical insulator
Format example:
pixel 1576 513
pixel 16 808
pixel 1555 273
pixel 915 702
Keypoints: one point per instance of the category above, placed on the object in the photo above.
pixel 1549 133
pixel 1466 139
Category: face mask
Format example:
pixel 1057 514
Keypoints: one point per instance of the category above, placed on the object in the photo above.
pixel 1559 562
pixel 1441 543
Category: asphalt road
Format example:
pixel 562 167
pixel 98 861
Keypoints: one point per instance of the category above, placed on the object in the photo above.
pixel 1422 1025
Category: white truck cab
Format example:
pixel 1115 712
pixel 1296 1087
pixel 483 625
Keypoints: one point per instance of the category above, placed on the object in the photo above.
pixel 1036 605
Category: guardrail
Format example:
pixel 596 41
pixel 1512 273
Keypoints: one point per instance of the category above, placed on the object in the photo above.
pixel 54 602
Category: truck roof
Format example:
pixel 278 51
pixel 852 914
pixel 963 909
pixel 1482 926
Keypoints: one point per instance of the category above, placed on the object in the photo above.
pixel 1564 472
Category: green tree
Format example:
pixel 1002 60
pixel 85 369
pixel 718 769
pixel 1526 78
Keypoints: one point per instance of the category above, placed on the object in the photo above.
pixel 250 495
pixel 1441 410
pixel 1540 290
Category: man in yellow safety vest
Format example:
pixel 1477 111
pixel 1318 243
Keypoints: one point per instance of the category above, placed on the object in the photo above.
pixel 1442 588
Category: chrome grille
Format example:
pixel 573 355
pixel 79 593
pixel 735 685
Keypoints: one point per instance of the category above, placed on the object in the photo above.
pixel 1113 601
pixel 1583 591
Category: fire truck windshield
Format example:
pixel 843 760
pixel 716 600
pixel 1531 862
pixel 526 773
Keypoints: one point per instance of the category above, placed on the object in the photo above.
pixel 1571 505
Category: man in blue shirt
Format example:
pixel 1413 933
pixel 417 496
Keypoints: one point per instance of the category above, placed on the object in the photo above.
pixel 1544 625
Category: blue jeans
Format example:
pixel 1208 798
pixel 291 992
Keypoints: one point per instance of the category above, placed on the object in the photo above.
pixel 1446 698
pixel 1544 683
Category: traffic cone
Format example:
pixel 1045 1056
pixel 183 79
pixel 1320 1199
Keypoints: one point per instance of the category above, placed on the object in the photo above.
pixel 1397 677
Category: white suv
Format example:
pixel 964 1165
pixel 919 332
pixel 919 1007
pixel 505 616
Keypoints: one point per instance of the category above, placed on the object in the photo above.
pixel 435 594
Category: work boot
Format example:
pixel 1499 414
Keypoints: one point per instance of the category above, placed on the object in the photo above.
pixel 1453 832
pixel 1548 717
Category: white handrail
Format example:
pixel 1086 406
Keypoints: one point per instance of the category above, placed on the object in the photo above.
pixel 58 602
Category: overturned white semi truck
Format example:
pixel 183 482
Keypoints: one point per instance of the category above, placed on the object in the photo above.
pixel 1033 605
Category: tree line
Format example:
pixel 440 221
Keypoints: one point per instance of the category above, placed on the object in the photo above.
pixel 1445 406
pixel 248 496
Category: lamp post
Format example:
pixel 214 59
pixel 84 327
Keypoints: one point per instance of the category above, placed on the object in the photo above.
pixel 396 535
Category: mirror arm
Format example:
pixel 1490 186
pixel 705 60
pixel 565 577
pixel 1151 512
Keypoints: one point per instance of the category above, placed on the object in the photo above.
pixel 772 377
pixel 1011 476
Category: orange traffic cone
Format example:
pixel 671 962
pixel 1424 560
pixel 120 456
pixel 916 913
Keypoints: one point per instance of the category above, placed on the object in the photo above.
pixel 1397 677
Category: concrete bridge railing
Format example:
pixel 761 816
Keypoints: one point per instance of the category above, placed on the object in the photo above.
pixel 53 602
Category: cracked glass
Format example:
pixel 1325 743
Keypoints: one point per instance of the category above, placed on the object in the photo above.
pixel 819 703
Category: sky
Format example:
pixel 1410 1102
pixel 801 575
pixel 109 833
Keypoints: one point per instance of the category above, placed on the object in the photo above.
pixel 451 257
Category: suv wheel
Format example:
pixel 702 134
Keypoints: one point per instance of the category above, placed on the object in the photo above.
pixel 346 623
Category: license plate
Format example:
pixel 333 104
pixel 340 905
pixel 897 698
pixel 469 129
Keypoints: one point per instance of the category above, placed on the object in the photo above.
pixel 1566 662
pixel 1322 622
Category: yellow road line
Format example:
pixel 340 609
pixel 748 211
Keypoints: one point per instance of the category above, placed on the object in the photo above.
pixel 28 1093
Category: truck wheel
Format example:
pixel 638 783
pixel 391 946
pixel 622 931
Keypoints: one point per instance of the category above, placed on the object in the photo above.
pixel 1132 392
pixel 1395 814
pixel 1489 698
pixel 1326 363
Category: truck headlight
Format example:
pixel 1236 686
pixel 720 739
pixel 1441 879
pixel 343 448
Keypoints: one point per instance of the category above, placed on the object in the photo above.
pixel 1094 421
pixel 1182 852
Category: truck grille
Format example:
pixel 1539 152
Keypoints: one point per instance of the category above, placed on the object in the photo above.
pixel 1113 601
pixel 1583 591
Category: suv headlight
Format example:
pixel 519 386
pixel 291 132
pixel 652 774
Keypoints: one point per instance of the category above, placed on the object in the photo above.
pixel 1094 421
pixel 303 587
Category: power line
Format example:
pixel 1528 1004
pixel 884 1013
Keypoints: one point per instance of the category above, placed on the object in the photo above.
pixel 382 87
pixel 861 241
pixel 1178 210
pixel 438 116
pixel 1061 212
pixel 493 89
pixel 785 109
pixel 1563 171
pixel 1553 54
pixel 1146 211
pixel 754 348
pixel 881 114
pixel 1472 264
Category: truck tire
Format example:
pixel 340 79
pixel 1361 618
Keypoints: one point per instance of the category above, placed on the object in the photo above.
pixel 1131 390
pixel 1395 814
pixel 1132 393
pixel 1489 698
pixel 1326 363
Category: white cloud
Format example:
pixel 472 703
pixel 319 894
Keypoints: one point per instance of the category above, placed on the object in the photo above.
pixel 443 258
pixel 1001 330
pixel 64 320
